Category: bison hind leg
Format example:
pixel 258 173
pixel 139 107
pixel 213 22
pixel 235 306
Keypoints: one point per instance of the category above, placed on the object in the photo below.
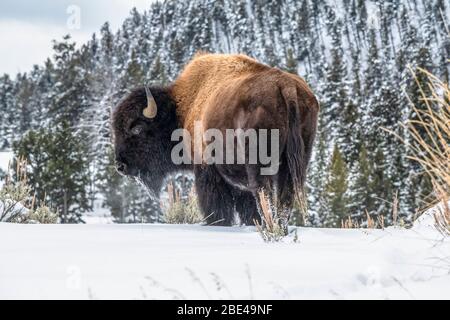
pixel 215 196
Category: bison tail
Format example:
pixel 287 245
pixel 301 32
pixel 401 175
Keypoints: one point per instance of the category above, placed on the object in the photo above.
pixel 295 151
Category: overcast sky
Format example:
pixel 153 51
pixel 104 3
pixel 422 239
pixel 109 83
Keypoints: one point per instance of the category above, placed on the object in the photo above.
pixel 27 27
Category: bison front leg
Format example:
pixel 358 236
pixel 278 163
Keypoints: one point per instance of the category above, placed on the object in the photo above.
pixel 215 196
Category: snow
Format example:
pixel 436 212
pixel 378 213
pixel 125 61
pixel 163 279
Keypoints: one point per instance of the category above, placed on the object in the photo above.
pixel 5 158
pixel 95 218
pixel 427 221
pixel 196 262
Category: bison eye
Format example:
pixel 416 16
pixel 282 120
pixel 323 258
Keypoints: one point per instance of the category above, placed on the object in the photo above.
pixel 137 130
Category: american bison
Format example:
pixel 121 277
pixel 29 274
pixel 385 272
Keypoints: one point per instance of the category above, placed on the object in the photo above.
pixel 221 92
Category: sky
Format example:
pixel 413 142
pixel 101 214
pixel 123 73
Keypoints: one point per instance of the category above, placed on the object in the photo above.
pixel 27 27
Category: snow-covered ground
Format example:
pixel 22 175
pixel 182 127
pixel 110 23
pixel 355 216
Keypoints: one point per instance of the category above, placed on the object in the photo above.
pixel 176 262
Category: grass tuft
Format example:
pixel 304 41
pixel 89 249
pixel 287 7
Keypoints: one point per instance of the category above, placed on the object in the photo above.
pixel 273 227
pixel 16 203
pixel 182 211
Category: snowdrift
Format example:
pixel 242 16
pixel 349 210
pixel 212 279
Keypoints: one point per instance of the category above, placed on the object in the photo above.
pixel 195 262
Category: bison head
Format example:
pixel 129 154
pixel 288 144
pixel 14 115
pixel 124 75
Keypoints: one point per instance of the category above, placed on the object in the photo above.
pixel 142 124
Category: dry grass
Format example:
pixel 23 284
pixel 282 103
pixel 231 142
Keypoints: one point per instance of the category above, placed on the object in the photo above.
pixel 442 218
pixel 432 151
pixel 273 227
pixel 349 223
pixel 14 194
pixel 370 223
pixel 379 222
pixel 17 205
pixel 182 211
pixel 43 214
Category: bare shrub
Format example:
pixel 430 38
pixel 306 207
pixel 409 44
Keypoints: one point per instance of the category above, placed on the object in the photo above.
pixel 17 205
pixel 14 194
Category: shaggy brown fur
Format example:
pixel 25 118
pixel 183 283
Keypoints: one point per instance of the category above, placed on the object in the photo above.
pixel 230 92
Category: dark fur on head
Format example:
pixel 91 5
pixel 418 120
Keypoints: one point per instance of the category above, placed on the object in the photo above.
pixel 143 146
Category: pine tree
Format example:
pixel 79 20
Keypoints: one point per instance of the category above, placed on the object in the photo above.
pixel 317 193
pixel 361 17
pixel 380 187
pixel 112 188
pixel 360 193
pixel 59 169
pixel 42 96
pixel 7 110
pixel 336 188
pixel 335 99
pixel 33 147
pixel 372 90
pixel 72 83
pixel 134 73
pixel 158 72
pixel 349 136
pixel 24 88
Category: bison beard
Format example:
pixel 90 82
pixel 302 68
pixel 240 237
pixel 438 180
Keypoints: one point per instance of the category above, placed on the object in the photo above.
pixel 223 92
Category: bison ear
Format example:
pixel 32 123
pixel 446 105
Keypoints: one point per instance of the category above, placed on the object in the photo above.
pixel 152 109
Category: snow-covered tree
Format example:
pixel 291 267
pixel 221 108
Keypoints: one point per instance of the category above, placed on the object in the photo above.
pixel 337 191
pixel 58 165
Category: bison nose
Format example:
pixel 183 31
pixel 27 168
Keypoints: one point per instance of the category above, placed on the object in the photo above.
pixel 121 167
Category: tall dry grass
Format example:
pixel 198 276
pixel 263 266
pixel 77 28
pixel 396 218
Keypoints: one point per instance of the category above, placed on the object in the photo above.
pixel 432 149
pixel 18 203
pixel 182 211
pixel 274 223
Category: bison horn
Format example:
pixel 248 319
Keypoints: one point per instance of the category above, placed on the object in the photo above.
pixel 152 109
